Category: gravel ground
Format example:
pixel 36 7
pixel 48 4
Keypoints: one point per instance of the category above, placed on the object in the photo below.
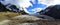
pixel 28 20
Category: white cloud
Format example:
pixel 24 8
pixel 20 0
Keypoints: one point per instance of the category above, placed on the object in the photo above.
pixel 26 10
pixel 49 2
pixel 20 3
pixel 25 3
pixel 36 9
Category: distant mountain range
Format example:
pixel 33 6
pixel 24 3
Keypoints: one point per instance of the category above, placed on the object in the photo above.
pixel 11 8
pixel 52 11
pixel 8 7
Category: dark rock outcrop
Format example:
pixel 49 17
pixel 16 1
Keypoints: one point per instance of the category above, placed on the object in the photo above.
pixel 2 7
pixel 12 7
pixel 52 11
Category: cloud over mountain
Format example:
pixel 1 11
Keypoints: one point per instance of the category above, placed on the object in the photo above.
pixel 50 2
pixel 26 3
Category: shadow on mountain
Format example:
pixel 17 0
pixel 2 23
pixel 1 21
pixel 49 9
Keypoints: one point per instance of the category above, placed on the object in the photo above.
pixel 52 11
pixel 3 8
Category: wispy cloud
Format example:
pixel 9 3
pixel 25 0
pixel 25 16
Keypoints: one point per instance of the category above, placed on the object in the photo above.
pixel 36 10
pixel 26 3
pixel 49 2
pixel 20 3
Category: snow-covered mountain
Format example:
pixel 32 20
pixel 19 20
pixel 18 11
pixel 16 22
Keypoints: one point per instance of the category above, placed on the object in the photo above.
pixel 31 6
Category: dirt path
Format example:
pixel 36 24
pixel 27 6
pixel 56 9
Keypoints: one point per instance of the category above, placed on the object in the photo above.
pixel 3 22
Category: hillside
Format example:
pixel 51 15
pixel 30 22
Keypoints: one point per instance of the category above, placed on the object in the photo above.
pixel 8 15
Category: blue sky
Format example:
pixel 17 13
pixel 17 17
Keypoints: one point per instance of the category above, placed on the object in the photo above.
pixel 32 6
pixel 36 5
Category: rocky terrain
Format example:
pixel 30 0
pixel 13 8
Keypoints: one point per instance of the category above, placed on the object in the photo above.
pixel 28 20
